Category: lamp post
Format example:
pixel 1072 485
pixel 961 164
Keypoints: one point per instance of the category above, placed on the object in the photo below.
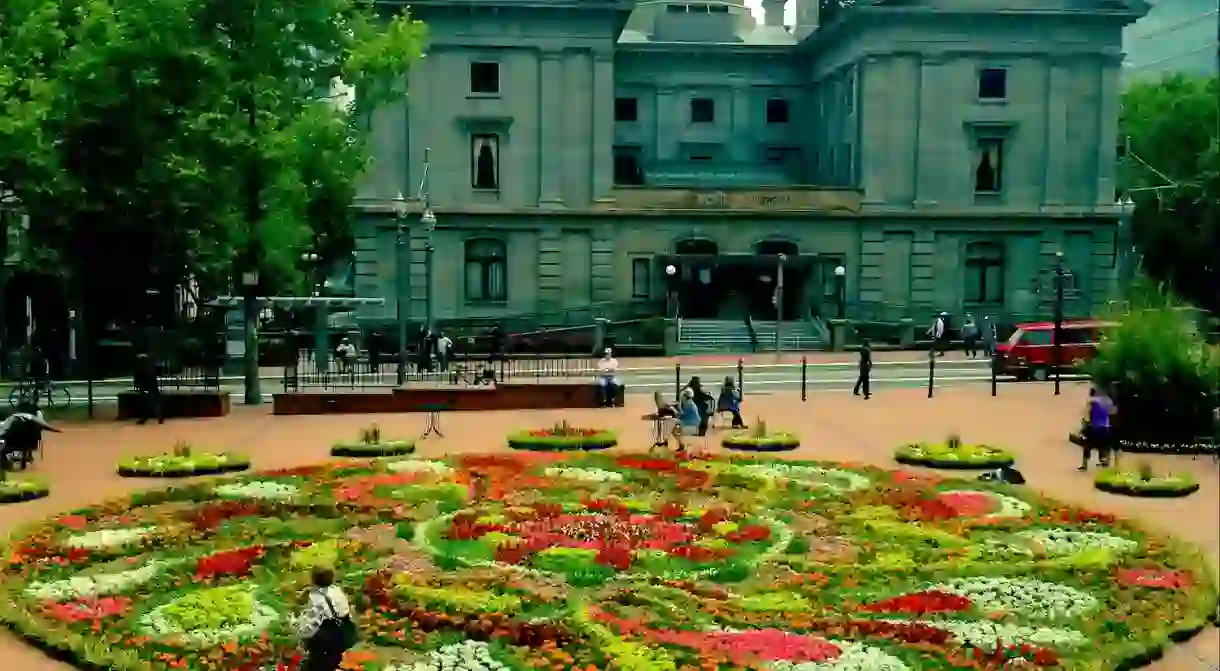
pixel 1060 276
pixel 1125 240
pixel 428 220
pixel 671 272
pixel 841 290
pixel 402 284
pixel 249 282
pixel 779 300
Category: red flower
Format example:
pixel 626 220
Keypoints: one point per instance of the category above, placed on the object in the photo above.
pixel 969 504
pixel 750 533
pixel 73 522
pixel 647 464
pixel 312 469
pixel 1153 578
pixel 921 603
pixel 228 563
pixel 513 554
pixel 210 516
pixel 670 511
pixel 617 557
pixel 88 610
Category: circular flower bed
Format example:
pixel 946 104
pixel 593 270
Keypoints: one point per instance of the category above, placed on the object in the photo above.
pixel 182 466
pixel 952 455
pixel 772 442
pixel 385 448
pixel 1134 483
pixel 562 437
pixel 540 561
pixel 13 490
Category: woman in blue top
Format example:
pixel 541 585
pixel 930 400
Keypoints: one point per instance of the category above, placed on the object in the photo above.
pixel 1101 408
pixel 689 417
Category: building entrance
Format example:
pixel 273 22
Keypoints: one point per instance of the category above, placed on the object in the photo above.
pixel 710 285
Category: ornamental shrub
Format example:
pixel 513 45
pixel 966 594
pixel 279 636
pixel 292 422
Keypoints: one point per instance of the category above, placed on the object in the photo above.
pixel 1163 376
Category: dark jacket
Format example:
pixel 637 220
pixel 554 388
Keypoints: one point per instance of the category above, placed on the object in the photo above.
pixel 866 357
pixel 145 376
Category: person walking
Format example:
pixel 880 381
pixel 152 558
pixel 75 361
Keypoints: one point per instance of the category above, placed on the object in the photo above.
pixel 940 333
pixel 970 337
pixel 989 336
pixel 444 349
pixel 1100 411
pixel 145 381
pixel 325 626
pixel 866 369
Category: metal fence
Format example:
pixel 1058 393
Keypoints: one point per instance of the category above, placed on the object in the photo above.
pixel 188 377
pixel 461 371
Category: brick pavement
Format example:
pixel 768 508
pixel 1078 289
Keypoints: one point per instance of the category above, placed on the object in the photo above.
pixel 1027 419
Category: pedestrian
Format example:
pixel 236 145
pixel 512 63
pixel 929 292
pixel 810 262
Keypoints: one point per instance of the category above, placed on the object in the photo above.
pixel 940 333
pixel 1097 431
pixel 148 386
pixel 970 337
pixel 752 333
pixel 690 419
pixel 703 401
pixel 374 348
pixel 866 369
pixel 346 354
pixel 444 349
pixel 989 336
pixel 325 627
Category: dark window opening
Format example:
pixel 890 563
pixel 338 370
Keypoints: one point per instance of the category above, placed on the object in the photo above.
pixel 702 110
pixel 626 109
pixel 989 165
pixel 993 84
pixel 641 278
pixel 485 161
pixel 484 77
pixel 985 273
pixel 486 271
pixel 777 110
pixel 628 168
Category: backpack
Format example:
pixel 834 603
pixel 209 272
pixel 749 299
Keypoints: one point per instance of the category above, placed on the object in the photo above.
pixel 335 634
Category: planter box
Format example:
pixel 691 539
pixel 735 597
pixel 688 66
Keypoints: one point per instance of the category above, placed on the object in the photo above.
pixel 177 403
pixel 504 396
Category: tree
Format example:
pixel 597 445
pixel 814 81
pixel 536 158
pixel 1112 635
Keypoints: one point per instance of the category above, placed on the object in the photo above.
pixel 137 133
pixel 1170 126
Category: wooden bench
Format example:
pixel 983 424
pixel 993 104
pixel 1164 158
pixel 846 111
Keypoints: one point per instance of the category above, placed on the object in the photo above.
pixel 177 403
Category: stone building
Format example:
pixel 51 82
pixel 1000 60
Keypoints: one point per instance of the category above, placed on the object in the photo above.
pixel 943 152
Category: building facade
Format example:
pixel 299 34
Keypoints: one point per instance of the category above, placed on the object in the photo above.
pixel 943 152
pixel 1175 36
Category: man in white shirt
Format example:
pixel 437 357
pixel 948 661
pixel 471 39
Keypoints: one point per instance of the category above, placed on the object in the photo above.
pixel 443 347
pixel 346 352
pixel 607 379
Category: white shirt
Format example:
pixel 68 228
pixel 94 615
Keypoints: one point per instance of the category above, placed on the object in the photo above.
pixel 347 350
pixel 938 329
pixel 443 344
pixel 12 419
pixel 608 365
pixel 318 611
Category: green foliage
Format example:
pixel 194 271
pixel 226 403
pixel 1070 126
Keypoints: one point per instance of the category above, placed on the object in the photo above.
pixel 1172 124
pixel 1163 376
pixel 133 129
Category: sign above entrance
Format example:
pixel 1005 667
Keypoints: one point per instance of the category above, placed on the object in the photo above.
pixel 773 200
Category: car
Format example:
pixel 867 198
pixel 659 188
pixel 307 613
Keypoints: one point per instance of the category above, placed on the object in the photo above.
pixel 1030 352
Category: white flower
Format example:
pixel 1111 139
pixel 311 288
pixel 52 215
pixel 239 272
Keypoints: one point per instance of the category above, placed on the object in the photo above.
pixel 158 623
pixel 983 634
pixel 419 466
pixel 1061 542
pixel 854 657
pixel 464 656
pixel 258 489
pixel 1033 598
pixel 102 584
pixel 584 474
pixel 837 479
pixel 108 538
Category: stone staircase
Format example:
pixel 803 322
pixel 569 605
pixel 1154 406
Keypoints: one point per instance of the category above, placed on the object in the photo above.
pixel 713 336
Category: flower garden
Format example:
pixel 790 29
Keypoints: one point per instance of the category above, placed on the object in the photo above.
pixel 598 561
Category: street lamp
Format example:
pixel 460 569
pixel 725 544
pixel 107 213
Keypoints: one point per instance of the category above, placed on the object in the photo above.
pixel 428 220
pixel 779 298
pixel 311 259
pixel 670 272
pixel 841 290
pixel 249 282
pixel 1060 279
pixel 1125 241
pixel 403 284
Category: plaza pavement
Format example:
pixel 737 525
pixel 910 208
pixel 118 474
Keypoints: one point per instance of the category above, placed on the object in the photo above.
pixel 1026 418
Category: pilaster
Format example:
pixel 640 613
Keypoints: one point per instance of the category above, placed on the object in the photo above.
pixel 932 154
pixel 550 267
pixel 603 125
pixel 667 99
pixel 551 136
pixel 1060 93
pixel 1108 125
pixel 875 120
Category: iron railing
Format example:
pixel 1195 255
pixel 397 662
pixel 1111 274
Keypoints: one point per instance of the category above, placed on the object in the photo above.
pixel 461 371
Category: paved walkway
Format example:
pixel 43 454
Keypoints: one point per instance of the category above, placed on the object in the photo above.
pixel 1025 418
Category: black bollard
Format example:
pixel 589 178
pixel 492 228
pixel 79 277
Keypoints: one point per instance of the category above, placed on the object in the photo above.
pixel 741 376
pixel 994 373
pixel 804 376
pixel 677 382
pixel 931 369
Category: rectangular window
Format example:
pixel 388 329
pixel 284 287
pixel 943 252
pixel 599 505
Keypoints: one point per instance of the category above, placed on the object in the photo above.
pixel 702 110
pixel 984 273
pixel 993 84
pixel 641 278
pixel 849 92
pixel 628 166
pixel 988 165
pixel 626 109
pixel 484 77
pixel 777 111
pixel 485 161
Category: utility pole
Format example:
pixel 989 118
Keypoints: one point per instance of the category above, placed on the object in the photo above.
pixel 779 303
pixel 1058 344
pixel 402 282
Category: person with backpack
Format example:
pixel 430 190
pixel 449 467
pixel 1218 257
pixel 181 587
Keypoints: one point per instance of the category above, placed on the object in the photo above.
pixel 325 627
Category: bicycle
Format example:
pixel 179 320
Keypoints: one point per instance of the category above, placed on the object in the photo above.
pixel 40 394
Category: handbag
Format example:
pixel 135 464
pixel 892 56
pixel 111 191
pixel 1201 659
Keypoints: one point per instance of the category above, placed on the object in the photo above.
pixel 337 634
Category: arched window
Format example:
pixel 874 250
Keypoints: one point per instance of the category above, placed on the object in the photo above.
pixel 486 271
pixel 776 247
pixel 700 246
pixel 985 273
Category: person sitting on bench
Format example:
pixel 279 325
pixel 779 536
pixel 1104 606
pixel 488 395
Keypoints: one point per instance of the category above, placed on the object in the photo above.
pixel 730 401
pixel 607 379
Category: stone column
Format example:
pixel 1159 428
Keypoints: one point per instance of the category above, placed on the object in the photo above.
pixel 874 118
pixel 932 157
pixel 665 132
pixel 1054 157
pixel 551 136
pixel 1108 124
pixel 603 124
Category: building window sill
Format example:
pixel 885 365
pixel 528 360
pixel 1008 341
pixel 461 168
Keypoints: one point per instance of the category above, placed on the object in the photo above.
pixel 992 101
pixel 482 303
pixel 483 96
pixel 988 198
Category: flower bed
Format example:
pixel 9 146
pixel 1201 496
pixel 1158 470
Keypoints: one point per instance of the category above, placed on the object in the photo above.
pixel 182 465
pixel 542 561
pixel 14 490
pixel 774 442
pixel 385 448
pixel 1135 483
pixel 561 438
pixel 952 454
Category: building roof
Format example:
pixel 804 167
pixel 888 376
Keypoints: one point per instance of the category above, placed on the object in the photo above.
pixel 707 22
